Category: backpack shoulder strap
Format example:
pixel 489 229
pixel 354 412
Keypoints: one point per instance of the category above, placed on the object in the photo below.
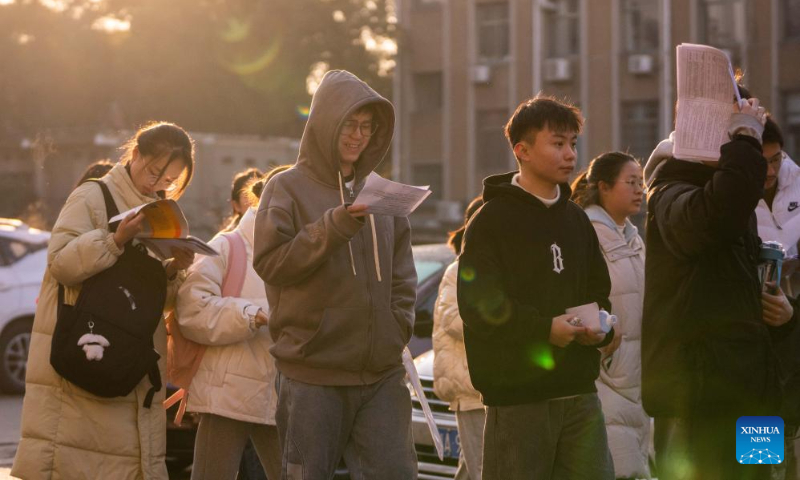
pixel 236 271
pixel 111 206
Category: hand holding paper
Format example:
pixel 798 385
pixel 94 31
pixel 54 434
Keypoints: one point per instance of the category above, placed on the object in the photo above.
pixel 161 226
pixel 385 197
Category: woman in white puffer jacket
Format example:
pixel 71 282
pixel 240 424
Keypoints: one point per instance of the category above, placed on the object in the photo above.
pixel 451 380
pixel 610 191
pixel 234 387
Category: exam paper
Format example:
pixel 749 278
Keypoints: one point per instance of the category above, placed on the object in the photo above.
pixel 706 89
pixel 413 377
pixel 165 227
pixel 385 197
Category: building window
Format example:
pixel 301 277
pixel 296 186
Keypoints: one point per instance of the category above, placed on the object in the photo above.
pixel 493 33
pixel 427 3
pixel 227 160
pixel 563 29
pixel 640 24
pixel 723 25
pixel 427 91
pixel 639 128
pixel 249 162
pixel 429 174
pixel 792 126
pixel 791 12
pixel 491 147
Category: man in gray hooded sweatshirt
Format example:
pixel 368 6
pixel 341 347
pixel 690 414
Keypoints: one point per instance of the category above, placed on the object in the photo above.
pixel 341 285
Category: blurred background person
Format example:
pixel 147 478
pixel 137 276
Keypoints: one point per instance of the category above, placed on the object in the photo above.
pixel 240 197
pixel 451 380
pixel 610 191
pixel 95 170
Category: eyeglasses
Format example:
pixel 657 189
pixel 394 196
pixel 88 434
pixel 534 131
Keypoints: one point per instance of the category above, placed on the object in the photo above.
pixel 367 129
pixel 634 183
pixel 157 179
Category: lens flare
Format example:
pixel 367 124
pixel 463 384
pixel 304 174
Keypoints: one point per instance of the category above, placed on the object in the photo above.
pixel 467 274
pixel 542 356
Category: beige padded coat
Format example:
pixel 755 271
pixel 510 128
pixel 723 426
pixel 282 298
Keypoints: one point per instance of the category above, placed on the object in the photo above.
pixel 236 378
pixel 68 433
pixel 451 380
pixel 619 385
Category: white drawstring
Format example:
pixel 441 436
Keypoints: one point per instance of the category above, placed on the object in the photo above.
pixel 349 247
pixel 375 253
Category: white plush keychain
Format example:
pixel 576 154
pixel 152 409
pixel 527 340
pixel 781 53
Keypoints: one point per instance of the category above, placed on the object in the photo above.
pixel 93 344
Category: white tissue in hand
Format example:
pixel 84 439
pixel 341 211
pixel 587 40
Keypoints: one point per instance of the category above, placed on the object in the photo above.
pixel 607 321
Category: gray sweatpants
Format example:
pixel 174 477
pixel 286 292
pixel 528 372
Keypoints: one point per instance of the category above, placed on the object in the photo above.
pixel 470 437
pixel 220 442
pixel 559 439
pixel 369 425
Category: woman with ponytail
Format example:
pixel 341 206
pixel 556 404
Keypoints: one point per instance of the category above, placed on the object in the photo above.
pixel 610 191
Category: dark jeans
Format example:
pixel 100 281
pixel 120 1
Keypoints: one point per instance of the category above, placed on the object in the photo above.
pixel 553 439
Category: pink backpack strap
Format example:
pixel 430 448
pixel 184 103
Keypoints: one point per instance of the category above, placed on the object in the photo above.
pixel 236 270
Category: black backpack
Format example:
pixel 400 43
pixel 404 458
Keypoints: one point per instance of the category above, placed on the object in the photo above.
pixel 104 343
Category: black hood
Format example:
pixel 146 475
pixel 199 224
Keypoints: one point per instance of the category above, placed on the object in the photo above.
pixel 500 185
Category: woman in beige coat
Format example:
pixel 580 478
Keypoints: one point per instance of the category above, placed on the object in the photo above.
pixel 67 432
pixel 451 380
pixel 610 191
pixel 234 388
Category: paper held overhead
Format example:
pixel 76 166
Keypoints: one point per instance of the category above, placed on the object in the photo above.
pixel 385 197
pixel 706 91
pixel 165 227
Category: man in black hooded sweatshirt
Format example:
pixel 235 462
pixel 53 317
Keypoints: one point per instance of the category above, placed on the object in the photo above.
pixel 707 329
pixel 528 255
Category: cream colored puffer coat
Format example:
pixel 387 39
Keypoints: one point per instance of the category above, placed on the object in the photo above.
pixel 619 383
pixel 68 433
pixel 236 378
pixel 451 380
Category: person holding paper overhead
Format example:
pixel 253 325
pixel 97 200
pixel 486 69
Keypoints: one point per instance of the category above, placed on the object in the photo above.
pixel 708 330
pixel 68 432
pixel 528 255
pixel 342 286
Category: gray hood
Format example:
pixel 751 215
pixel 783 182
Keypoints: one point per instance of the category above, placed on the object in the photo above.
pixel 598 214
pixel 340 94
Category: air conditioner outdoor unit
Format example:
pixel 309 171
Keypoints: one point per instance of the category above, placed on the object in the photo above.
pixel 557 69
pixel 481 74
pixel 640 64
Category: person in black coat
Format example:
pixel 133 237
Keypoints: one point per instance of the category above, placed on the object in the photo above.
pixel 708 330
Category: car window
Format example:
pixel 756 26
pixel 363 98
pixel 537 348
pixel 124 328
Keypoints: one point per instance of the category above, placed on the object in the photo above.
pixel 426 268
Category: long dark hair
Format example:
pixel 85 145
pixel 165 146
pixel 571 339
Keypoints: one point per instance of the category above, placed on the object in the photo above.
pixel 603 168
pixel 457 236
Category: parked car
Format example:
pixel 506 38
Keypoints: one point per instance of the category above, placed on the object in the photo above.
pixel 23 258
pixel 430 262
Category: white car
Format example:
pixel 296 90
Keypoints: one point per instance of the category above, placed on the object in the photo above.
pixel 23 258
